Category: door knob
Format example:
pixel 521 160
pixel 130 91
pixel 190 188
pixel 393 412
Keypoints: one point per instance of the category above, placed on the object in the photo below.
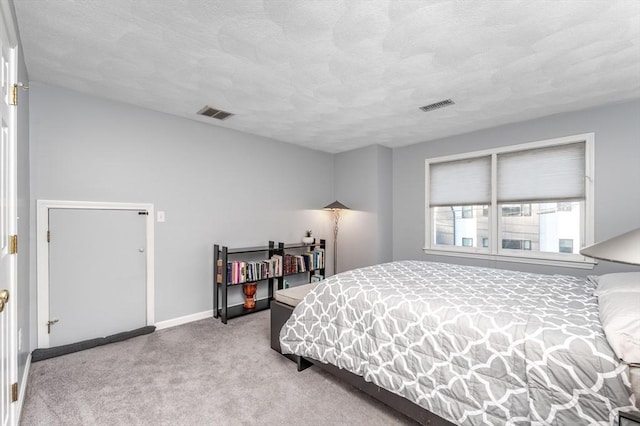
pixel 1 306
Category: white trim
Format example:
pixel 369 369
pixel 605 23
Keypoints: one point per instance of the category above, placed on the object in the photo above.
pixel 579 264
pixel 42 255
pixel 11 312
pixel 587 137
pixel 589 188
pixel 9 25
pixel 494 223
pixel 23 389
pixel 428 228
pixel 184 320
pixel 494 251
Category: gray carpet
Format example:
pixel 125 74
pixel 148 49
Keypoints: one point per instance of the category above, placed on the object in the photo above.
pixel 202 373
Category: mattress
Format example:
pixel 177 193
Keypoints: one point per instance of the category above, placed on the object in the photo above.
pixel 472 345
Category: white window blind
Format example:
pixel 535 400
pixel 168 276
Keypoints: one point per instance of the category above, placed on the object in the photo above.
pixel 544 174
pixel 462 182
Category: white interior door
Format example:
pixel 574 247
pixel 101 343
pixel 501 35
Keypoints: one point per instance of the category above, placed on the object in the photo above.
pixel 97 273
pixel 8 223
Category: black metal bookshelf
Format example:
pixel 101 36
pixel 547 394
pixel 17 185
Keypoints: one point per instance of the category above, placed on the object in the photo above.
pixel 221 280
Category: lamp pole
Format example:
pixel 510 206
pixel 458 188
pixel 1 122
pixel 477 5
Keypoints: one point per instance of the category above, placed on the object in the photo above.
pixel 336 219
pixel 335 208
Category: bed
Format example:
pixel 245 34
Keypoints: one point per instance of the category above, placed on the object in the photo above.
pixel 471 345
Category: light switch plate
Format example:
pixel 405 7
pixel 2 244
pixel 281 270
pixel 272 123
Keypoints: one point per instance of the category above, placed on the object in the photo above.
pixel 160 216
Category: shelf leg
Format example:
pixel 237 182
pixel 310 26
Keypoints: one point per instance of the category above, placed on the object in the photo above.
pixel 216 288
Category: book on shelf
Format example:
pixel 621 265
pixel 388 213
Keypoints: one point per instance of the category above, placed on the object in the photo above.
pixel 240 272
pixel 314 259
pixel 219 271
pixel 308 261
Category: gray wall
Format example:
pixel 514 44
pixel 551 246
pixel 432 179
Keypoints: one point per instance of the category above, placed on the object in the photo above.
pixel 215 184
pixel 617 177
pixel 363 183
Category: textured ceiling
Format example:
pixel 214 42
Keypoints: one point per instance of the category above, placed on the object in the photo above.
pixel 337 75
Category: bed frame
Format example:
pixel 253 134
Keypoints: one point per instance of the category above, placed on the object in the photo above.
pixel 279 315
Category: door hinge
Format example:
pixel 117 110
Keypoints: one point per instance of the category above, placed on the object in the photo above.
pixel 14 392
pixel 14 95
pixel 48 236
pixel 13 244
pixel 14 92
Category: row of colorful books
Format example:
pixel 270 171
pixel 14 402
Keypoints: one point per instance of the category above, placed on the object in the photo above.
pixel 239 272
pixel 304 262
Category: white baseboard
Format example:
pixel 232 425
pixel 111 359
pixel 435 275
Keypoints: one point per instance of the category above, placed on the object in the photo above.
pixel 183 320
pixel 23 389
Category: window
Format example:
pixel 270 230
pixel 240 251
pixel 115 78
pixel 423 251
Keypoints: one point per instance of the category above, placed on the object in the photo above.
pixel 516 244
pixel 539 206
pixel 516 210
pixel 564 207
pixel 565 245
pixel 467 212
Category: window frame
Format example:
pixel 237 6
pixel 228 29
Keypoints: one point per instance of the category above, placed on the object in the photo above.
pixel 494 252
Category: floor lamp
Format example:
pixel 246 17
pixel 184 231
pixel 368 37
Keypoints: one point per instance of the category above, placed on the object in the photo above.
pixel 335 208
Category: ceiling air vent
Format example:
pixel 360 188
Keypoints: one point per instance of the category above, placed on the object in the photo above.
pixel 437 105
pixel 214 113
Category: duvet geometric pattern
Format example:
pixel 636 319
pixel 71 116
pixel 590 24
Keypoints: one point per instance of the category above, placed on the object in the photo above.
pixel 472 345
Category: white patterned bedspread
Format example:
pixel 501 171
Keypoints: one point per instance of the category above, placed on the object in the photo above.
pixel 472 345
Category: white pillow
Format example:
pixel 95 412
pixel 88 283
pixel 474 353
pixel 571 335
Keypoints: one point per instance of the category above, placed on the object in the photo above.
pixel 619 282
pixel 620 317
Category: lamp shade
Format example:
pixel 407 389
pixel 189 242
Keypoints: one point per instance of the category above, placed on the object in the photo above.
pixel 336 205
pixel 624 248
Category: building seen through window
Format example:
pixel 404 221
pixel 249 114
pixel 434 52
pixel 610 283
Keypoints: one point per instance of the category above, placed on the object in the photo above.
pixel 541 227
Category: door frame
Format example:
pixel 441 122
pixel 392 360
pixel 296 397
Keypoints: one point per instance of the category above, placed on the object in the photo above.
pixel 42 255
pixel 12 307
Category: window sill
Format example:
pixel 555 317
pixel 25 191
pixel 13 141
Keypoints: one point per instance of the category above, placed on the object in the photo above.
pixel 578 264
